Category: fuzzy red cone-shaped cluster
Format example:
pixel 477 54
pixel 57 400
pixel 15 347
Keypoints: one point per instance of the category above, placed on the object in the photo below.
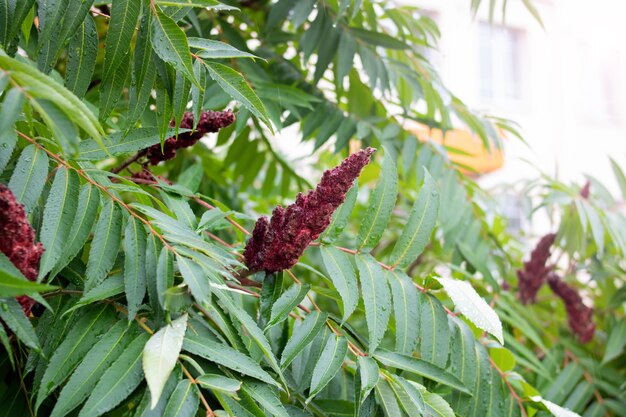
pixel 535 271
pixel 210 121
pixel 17 240
pixel 579 316
pixel 278 243
pixel 584 192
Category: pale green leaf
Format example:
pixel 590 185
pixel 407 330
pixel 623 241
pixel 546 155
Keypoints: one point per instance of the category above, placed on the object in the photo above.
pixel 406 310
pixel 82 50
pixel 124 15
pixel 376 298
pixel 267 396
pixel 11 107
pixel 287 302
pixel 160 355
pixel 105 245
pixel 211 49
pixel 29 176
pixel 13 316
pixel 341 273
pixel 134 265
pixel 11 286
pixel 184 400
pixel 328 364
pixel 219 383
pixel 302 336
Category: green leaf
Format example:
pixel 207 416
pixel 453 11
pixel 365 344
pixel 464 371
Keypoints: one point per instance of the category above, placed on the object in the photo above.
pixel 472 306
pixel 378 39
pixel 211 49
pixel 13 316
pixel 124 15
pixel 111 287
pixel 341 273
pixel 135 140
pixel 90 370
pixel 219 383
pixel 134 265
pixel 122 377
pixel 111 88
pixel 464 364
pixel 144 72
pixel 379 206
pixel 160 355
pixel 406 310
pixel 408 395
pixel 38 85
pixel 80 339
pixel 555 410
pixel 617 341
pixel 29 176
pixel 341 216
pixel 419 367
pixel 209 4
pixel 434 334
pixel 236 86
pixel 58 218
pixel 184 400
pixel 252 330
pixel 82 50
pixel 82 224
pixel 617 171
pixel 165 274
pixel 368 376
pixel 287 302
pixel 195 277
pixel 105 245
pixel 225 355
pixel 376 298
pixel 170 44
pixel 328 364
pixel 266 396
pixel 436 406
pixel 302 336
pixel 11 107
pixel 11 286
pixel 419 226
pixel 387 400
pixel 345 55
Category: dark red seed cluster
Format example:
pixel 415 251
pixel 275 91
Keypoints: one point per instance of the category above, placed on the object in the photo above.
pixel 579 316
pixel 584 192
pixel 534 274
pixel 278 243
pixel 210 121
pixel 17 240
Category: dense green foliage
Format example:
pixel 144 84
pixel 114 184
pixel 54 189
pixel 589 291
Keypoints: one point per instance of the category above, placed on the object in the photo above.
pixel 406 305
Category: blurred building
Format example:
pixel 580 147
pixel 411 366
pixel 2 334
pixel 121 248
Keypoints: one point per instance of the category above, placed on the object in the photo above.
pixel 565 84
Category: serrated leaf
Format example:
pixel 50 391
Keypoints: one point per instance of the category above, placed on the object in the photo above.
pixel 11 107
pixel 38 85
pixel 379 206
pixel 434 331
pixel 165 274
pixel 29 176
pixel 341 216
pixel 209 4
pixel 378 39
pixel 419 226
pixel 153 250
pixel 220 383
pixel 252 330
pixel 160 355
pixel 135 140
pixel 341 273
pixel 170 44
pixel 82 224
pixel 134 265
pixel 111 287
pixel 387 399
pixel 463 363
pixel 211 49
pixel 419 367
pixel 406 310
pixel 266 396
pixel 435 405
pixel 111 88
pixel 617 341
pixel 72 350
pixel 408 395
pixel 124 15
pixel 195 277
pixel 58 217
pixel 82 51
pixel 236 86
pixel 13 316
pixel 11 286
pixel 184 400
pixel 345 55
pixel 143 410
pixel 105 244
pixel 328 364
pixel 368 376
pixel 225 355
pixel 287 302
pixel 302 336
pixel 472 306
pixel 376 298
pixel 144 72
pixel 122 377
pixel 90 370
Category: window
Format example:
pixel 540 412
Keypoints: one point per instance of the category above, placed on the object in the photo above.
pixel 500 61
